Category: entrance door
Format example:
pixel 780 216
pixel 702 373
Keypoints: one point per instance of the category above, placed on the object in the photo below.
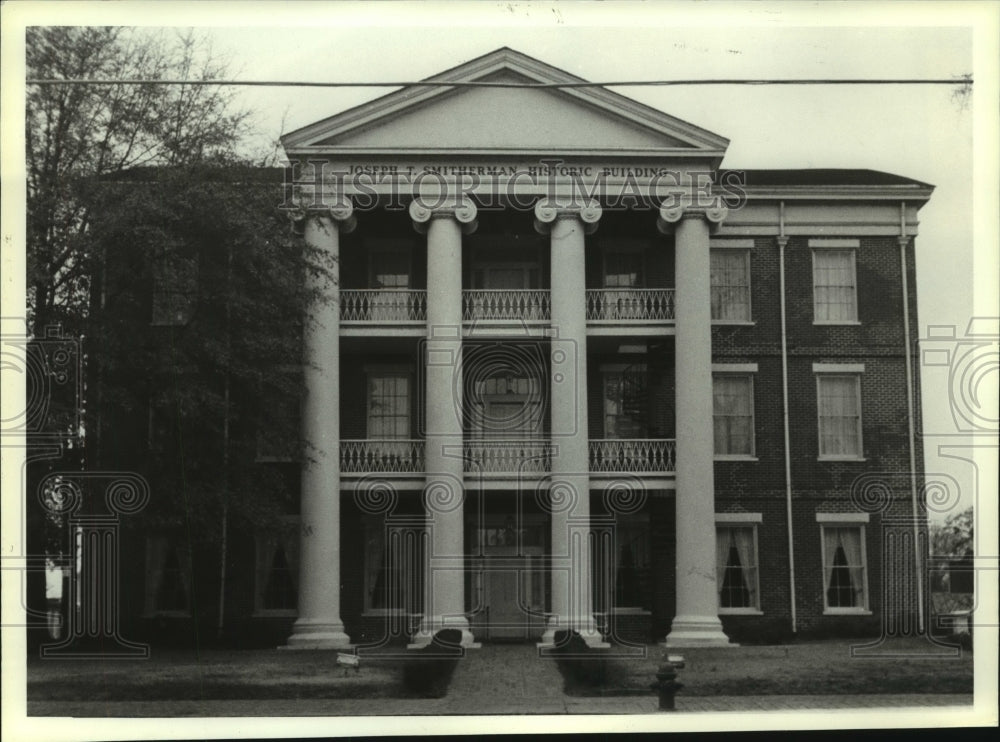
pixel 509 580
pixel 513 596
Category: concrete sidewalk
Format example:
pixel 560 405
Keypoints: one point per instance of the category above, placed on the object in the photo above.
pixel 553 703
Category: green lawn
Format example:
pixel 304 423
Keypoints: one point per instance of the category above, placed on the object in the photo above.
pixel 825 668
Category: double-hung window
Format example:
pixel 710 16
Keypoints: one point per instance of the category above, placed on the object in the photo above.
pixel 733 410
pixel 388 405
pixel 838 401
pixel 277 574
pixel 625 402
pixel 835 294
pixel 730 283
pixel 737 570
pixel 845 572
pixel 393 556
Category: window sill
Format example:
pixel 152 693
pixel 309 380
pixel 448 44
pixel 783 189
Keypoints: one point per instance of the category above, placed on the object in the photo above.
pixel 846 612
pixel 740 612
pixel 838 323
pixel 275 613
pixel 841 458
pixel 733 322
pixel 735 457
pixel 625 612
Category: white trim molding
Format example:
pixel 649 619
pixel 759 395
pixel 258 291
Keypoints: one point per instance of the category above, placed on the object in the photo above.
pixel 736 243
pixel 838 368
pixel 842 517
pixel 739 518
pixel 734 368
pixel 834 242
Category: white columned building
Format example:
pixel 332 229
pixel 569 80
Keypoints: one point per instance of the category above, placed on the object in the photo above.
pixel 444 494
pixel 697 619
pixel 502 375
pixel 319 624
pixel 569 487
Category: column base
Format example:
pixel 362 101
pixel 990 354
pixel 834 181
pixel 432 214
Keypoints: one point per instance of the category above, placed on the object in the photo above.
pixel 697 631
pixel 429 627
pixel 584 626
pixel 318 634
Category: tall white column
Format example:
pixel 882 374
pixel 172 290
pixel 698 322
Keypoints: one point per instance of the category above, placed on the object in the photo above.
pixel 569 489
pixel 444 490
pixel 696 622
pixel 319 625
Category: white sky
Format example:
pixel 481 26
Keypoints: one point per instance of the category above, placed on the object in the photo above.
pixel 919 132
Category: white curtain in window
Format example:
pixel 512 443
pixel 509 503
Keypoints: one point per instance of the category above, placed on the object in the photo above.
pixel 849 539
pixel 839 415
pixel 743 538
pixel 833 284
pixel 723 540
pixel 730 284
pixel 733 414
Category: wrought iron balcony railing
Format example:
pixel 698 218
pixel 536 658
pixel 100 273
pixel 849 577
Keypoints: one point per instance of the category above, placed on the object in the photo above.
pixel 655 305
pixel 508 456
pixel 383 305
pixel 636 455
pixel 382 456
pixel 506 304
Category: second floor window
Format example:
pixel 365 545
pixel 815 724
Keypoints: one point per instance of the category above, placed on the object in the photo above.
pixel 625 403
pixel 733 414
pixel 730 285
pixel 623 270
pixel 839 403
pixel 388 406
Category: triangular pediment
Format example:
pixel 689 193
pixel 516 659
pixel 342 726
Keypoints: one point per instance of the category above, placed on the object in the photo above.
pixel 504 116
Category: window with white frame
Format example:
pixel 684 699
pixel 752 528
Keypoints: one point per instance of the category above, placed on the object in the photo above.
pixel 730 285
pixel 737 573
pixel 839 411
pixel 625 401
pixel 394 558
pixel 277 575
pixel 845 577
pixel 388 405
pixel 835 299
pixel 732 414
pixel 168 577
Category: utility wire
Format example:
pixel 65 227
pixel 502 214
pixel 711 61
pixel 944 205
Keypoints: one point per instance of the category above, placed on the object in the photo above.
pixel 964 80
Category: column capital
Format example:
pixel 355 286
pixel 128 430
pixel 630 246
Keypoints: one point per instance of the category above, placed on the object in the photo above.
pixel 462 210
pixel 711 210
pixel 548 211
pixel 340 213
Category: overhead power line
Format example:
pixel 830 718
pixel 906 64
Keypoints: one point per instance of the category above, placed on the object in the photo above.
pixel 964 80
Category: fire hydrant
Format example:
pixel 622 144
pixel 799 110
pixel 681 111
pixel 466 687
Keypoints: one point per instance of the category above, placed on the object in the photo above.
pixel 666 684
